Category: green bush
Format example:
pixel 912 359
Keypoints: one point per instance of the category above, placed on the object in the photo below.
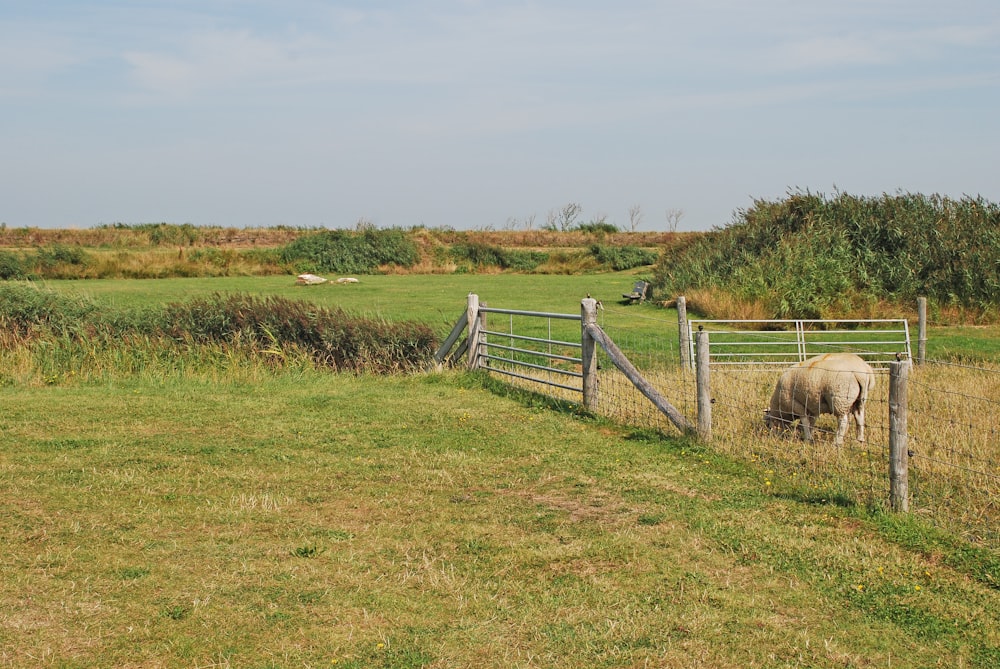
pixel 485 255
pixel 809 255
pixel 344 252
pixel 11 266
pixel 49 257
pixel 598 228
pixel 621 258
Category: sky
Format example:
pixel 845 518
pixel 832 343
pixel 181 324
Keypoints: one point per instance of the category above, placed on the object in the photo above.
pixel 486 114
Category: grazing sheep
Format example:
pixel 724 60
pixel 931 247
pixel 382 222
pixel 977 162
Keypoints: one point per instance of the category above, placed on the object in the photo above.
pixel 832 383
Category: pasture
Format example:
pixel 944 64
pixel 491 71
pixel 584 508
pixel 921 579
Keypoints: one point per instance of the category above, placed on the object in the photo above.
pixel 287 522
pixel 251 517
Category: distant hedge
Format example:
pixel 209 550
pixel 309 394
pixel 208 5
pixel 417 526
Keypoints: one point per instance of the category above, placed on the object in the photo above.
pixel 478 255
pixel 621 258
pixel 348 252
pixel 810 255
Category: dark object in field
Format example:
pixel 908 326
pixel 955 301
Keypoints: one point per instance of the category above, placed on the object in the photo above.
pixel 640 292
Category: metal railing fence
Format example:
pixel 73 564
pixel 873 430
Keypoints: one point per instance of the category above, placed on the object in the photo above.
pixel 779 343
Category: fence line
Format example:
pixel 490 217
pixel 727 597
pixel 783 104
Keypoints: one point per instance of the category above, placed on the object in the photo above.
pixel 951 427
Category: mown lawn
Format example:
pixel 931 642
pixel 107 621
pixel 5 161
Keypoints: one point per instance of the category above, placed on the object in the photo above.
pixel 318 520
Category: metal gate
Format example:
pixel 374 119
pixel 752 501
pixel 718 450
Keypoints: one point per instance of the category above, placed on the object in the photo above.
pixel 531 345
pixel 783 342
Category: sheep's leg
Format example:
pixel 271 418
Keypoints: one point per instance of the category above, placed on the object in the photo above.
pixel 838 439
pixel 804 422
pixel 859 422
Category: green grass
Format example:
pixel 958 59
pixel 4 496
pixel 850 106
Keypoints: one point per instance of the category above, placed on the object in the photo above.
pixel 426 297
pixel 320 520
pixel 438 300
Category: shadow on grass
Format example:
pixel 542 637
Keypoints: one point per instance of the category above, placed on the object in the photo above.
pixel 497 386
pixel 821 498
pixel 529 398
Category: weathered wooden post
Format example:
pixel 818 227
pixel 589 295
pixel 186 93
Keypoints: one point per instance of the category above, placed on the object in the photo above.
pixel 703 385
pixel 588 353
pixel 922 330
pixel 899 486
pixel 472 316
pixel 685 335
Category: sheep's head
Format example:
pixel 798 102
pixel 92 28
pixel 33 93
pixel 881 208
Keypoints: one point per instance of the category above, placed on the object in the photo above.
pixel 775 421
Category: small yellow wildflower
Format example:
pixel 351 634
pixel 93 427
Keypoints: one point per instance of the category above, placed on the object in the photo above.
pixel 916 587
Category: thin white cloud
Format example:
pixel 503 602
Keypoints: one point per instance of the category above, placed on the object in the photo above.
pixel 881 47
pixel 213 61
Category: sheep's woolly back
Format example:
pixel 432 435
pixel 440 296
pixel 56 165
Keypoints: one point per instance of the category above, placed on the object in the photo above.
pixel 830 383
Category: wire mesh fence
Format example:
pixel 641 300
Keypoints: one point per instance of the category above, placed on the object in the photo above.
pixel 954 443
pixel 953 429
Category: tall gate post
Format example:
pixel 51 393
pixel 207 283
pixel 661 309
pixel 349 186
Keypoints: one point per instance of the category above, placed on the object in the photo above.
pixel 922 330
pixel 684 333
pixel 703 385
pixel 899 486
pixel 472 316
pixel 588 353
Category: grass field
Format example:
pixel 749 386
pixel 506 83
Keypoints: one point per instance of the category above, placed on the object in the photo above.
pixel 440 299
pixel 241 516
pixel 318 520
pixel 433 298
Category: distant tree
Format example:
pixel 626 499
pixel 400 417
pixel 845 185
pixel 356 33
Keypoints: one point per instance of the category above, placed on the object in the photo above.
pixel 674 217
pixel 634 217
pixel 567 216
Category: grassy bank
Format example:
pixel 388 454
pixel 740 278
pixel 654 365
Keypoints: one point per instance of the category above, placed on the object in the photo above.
pixel 281 521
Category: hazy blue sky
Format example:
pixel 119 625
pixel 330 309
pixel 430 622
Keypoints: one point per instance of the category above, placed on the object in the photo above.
pixel 471 114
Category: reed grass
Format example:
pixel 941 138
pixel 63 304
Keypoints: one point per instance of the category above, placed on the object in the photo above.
pixel 65 333
pixel 812 256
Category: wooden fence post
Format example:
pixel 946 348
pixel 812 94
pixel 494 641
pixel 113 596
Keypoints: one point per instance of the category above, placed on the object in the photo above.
pixel 922 331
pixel 899 486
pixel 704 390
pixel 685 335
pixel 472 316
pixel 588 353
